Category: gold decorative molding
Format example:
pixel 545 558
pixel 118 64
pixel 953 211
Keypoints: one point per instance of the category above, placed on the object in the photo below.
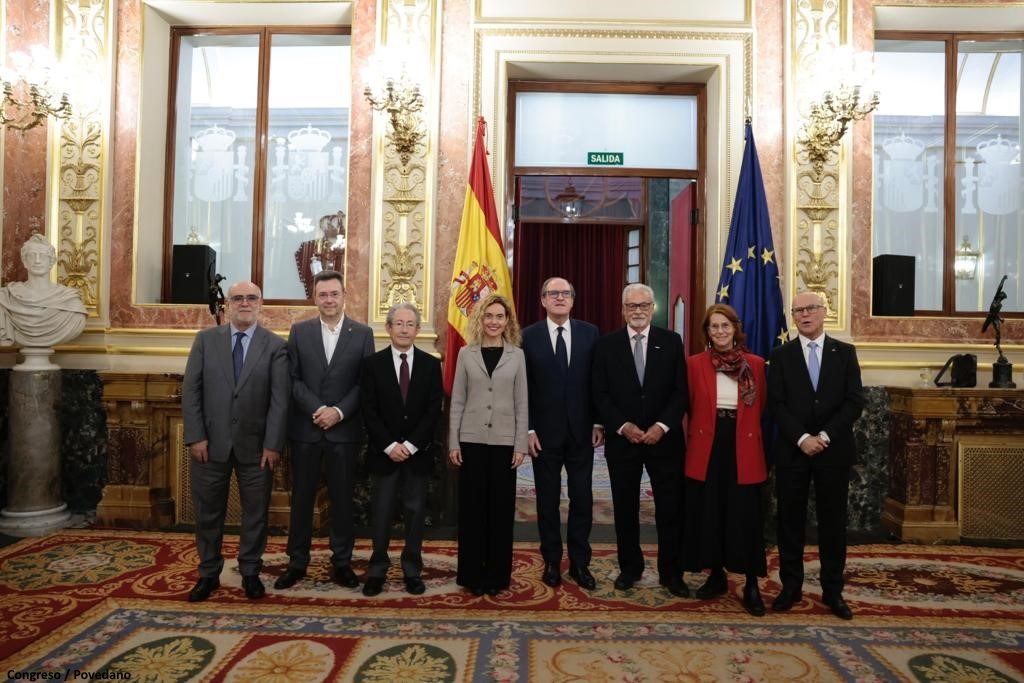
pixel 402 237
pixel 82 143
pixel 817 258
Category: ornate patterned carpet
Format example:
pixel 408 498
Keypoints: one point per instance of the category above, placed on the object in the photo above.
pixel 108 602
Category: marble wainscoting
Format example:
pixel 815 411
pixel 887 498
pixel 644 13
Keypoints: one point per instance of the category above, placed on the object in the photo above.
pixel 83 438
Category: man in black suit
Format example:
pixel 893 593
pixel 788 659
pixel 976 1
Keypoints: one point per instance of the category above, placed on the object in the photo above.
pixel 234 401
pixel 815 396
pixel 400 397
pixel 640 394
pixel 559 354
pixel 326 354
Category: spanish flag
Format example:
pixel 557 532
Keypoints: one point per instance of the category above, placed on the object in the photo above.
pixel 480 268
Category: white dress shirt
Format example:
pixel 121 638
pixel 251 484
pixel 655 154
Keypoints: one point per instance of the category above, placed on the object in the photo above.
pixel 566 335
pixel 330 338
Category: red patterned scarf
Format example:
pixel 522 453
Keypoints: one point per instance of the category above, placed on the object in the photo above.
pixel 734 364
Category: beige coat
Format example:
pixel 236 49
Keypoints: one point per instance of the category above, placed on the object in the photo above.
pixel 490 410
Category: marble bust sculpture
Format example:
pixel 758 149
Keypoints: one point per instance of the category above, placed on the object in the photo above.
pixel 37 312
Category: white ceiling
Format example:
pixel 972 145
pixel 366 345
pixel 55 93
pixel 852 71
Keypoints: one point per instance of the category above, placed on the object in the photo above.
pixel 979 17
pixel 205 13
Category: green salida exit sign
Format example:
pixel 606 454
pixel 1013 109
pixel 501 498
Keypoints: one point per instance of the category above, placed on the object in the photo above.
pixel 604 158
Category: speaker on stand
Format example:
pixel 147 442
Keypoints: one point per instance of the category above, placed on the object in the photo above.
pixel 192 266
pixel 892 290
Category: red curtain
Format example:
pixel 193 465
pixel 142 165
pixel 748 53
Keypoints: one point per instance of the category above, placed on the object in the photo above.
pixel 592 257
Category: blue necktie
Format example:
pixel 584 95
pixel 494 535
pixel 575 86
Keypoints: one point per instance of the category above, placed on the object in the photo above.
pixel 561 352
pixel 813 368
pixel 238 355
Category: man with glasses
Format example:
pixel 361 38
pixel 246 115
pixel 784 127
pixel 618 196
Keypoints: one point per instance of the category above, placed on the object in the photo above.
pixel 815 396
pixel 234 400
pixel 400 398
pixel 558 354
pixel 640 395
pixel 326 354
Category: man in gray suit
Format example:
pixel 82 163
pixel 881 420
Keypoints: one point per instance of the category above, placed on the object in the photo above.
pixel 234 400
pixel 326 355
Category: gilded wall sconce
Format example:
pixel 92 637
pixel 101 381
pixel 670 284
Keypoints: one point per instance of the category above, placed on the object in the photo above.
pixel 402 101
pixel 31 91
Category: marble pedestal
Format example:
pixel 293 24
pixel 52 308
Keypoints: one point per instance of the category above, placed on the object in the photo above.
pixel 34 502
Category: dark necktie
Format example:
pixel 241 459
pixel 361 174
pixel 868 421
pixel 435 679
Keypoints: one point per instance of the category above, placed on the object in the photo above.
pixel 403 377
pixel 561 352
pixel 238 354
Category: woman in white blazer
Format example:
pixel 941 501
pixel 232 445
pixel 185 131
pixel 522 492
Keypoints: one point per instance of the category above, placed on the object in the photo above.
pixel 487 438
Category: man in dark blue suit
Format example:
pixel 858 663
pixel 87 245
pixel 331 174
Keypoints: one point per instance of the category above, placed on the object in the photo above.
pixel 640 395
pixel 558 354
pixel 326 356
pixel 815 396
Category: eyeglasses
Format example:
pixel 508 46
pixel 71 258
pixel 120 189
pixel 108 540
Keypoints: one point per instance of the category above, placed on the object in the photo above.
pixel 328 295
pixel 559 293
pixel 800 310
pixel 642 306
pixel 239 298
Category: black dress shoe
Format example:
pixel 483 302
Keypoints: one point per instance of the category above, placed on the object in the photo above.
pixel 414 585
pixel 752 601
pixel 344 576
pixel 290 577
pixel 552 575
pixel 716 584
pixel 492 590
pixel 203 588
pixel 786 599
pixel 476 590
pixel 253 587
pixel 583 577
pixel 676 587
pixel 623 582
pixel 373 586
pixel 839 607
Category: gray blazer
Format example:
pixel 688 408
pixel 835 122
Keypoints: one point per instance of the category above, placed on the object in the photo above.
pixel 315 382
pixel 492 410
pixel 245 417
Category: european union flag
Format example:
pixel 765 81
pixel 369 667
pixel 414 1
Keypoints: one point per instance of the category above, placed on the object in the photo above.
pixel 750 273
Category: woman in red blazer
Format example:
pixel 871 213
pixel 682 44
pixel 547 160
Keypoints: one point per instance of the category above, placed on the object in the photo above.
pixel 725 463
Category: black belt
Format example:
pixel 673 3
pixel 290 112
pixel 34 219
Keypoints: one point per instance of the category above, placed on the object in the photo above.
pixel 726 412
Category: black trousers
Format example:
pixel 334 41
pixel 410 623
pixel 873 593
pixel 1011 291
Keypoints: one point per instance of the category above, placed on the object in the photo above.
pixel 578 462
pixel 664 464
pixel 413 486
pixel 792 485
pixel 337 461
pixel 487 500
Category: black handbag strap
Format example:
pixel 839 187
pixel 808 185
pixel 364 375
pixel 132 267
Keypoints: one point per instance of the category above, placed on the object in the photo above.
pixel 942 373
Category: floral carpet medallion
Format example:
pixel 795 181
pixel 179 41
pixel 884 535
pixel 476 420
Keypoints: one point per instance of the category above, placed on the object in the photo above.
pixel 75 563
pixel 931 583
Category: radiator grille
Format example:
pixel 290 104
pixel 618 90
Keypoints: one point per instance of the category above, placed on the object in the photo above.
pixel 991 485
pixel 184 509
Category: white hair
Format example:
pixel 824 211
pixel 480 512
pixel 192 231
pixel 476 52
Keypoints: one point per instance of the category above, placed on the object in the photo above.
pixel 637 286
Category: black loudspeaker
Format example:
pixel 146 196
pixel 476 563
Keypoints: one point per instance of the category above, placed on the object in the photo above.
pixel 192 267
pixel 893 285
